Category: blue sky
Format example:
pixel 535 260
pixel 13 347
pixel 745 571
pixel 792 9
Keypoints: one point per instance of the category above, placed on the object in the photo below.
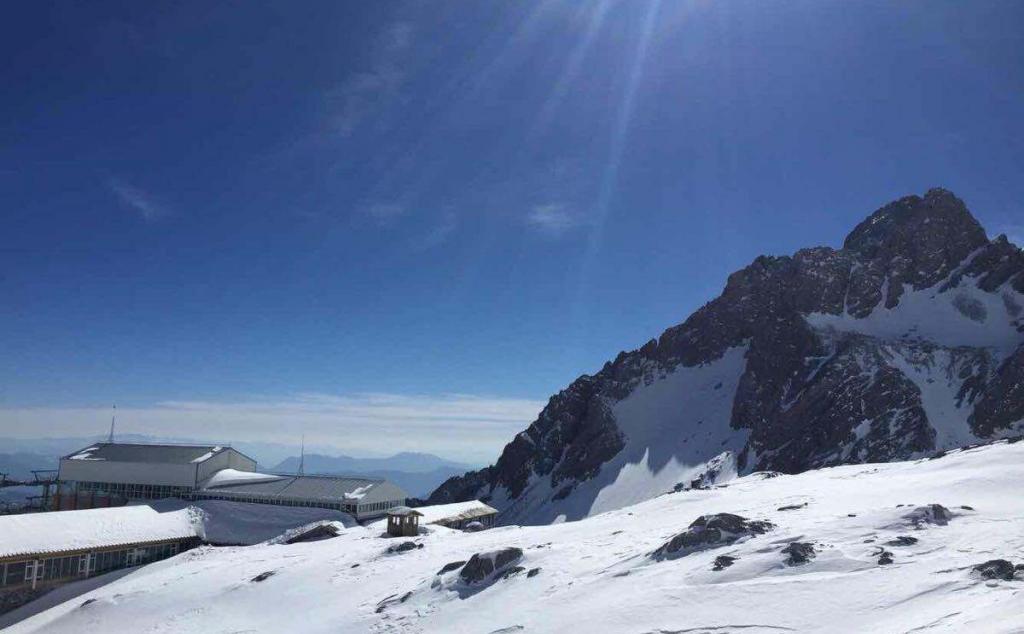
pixel 420 219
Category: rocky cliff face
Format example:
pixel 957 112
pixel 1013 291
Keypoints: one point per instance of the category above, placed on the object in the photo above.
pixel 908 340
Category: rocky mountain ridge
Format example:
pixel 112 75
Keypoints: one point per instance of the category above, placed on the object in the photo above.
pixel 906 341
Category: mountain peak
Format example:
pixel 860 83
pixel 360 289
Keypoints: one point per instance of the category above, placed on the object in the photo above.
pixel 938 221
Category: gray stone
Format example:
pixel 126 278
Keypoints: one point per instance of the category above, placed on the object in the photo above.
pixel 996 569
pixel 799 553
pixel 482 565
pixel 448 567
pixel 710 531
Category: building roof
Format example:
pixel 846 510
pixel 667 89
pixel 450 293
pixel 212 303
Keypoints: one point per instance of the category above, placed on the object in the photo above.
pixel 403 511
pixel 172 454
pixel 351 490
pixel 459 511
pixel 58 531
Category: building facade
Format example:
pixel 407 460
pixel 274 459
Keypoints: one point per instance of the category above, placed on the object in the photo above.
pixel 39 551
pixel 362 498
pixel 109 474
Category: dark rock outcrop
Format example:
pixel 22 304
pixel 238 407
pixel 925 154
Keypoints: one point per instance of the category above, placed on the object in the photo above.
pixel 710 531
pixel 404 547
pixel 996 569
pixel 482 566
pixel 722 562
pixel 902 540
pixel 929 514
pixel 799 553
pixel 448 567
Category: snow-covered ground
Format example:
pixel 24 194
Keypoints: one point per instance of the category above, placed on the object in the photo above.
pixel 241 523
pixel 596 575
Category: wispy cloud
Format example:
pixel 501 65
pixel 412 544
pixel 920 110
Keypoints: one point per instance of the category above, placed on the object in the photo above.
pixel 552 219
pixel 361 94
pixel 138 201
pixel 385 214
pixel 438 234
pixel 460 426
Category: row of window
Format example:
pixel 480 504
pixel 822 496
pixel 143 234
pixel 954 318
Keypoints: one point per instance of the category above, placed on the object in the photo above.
pixel 134 491
pixel 153 492
pixel 378 506
pixel 348 508
pixel 67 567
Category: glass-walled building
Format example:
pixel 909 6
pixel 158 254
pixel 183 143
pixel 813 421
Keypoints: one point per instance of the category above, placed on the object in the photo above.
pixel 41 550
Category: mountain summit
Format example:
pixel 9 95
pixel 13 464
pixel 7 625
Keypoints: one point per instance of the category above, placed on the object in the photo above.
pixel 907 341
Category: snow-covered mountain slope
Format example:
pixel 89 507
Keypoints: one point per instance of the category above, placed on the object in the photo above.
pixel 907 341
pixel 871 554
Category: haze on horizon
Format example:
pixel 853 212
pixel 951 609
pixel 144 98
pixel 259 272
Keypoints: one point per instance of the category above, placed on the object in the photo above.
pixel 403 226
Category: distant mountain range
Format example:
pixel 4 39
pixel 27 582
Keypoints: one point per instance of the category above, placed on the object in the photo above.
pixel 417 473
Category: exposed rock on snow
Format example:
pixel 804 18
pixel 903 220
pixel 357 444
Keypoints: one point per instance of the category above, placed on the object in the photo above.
pixel 722 562
pixel 710 531
pixel 930 514
pixel 404 547
pixel 448 567
pixel 996 569
pixel 482 566
pixel 902 540
pixel 798 553
pixel 792 507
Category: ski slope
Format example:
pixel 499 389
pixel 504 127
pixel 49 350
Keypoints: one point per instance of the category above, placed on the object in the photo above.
pixel 597 575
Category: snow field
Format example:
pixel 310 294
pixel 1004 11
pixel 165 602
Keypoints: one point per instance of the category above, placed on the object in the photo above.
pixel 596 574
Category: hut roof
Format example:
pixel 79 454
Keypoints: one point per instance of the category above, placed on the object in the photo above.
pixel 403 511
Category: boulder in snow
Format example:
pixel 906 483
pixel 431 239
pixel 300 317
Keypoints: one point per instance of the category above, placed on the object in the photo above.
pixel 722 562
pixel 453 565
pixel 902 540
pixel 710 531
pixel 929 514
pixel 996 569
pixel 482 565
pixel 799 553
pixel 404 547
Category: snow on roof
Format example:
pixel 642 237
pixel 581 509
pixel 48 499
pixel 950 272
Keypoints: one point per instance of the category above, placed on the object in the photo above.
pixel 234 476
pixel 454 512
pixel 359 492
pixel 308 487
pixel 128 452
pixel 85 454
pixel 207 455
pixel 58 531
pixel 403 511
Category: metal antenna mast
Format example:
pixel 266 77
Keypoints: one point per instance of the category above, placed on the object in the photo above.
pixel 113 418
pixel 302 456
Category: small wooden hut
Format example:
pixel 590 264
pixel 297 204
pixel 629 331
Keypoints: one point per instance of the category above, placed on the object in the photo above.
pixel 403 521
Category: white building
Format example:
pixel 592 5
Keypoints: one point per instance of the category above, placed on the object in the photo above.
pixel 106 474
pixel 363 498
pixel 41 550
pixel 110 474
